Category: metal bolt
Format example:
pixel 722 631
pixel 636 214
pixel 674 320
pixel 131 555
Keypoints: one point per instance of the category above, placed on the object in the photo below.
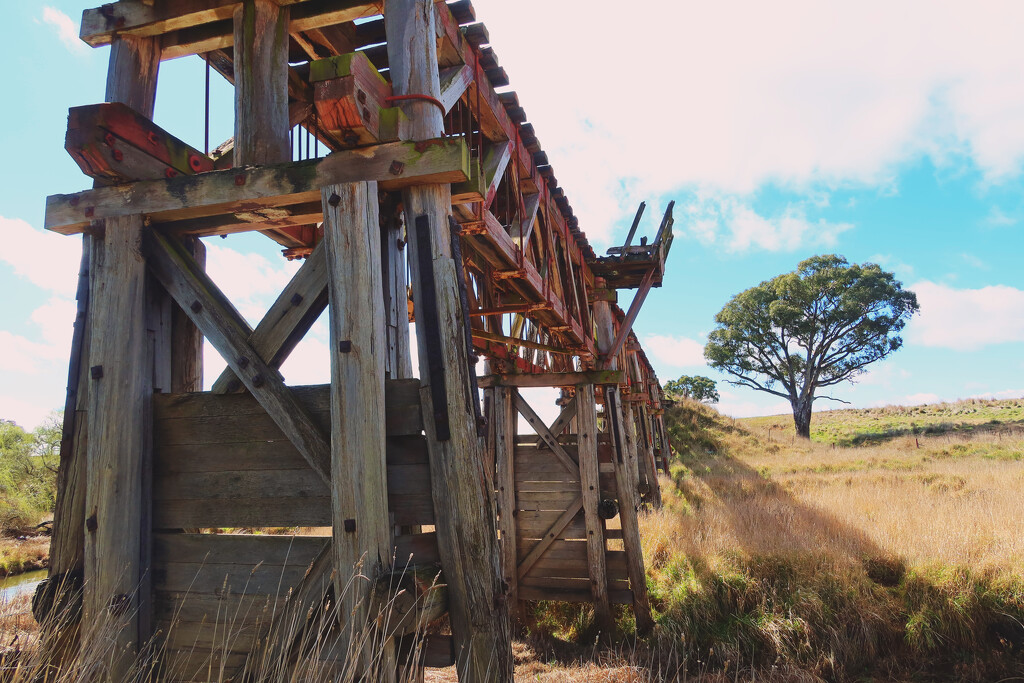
pixel 243 362
pixel 195 164
pixel 196 307
pixel 361 96
pixel 396 167
pixel 345 346
pixel 234 385
pixel 296 299
pixel 108 140
pixel 239 180
pixel 91 523
pixel 170 172
pixel 350 526
pixel 96 371
pixel 118 155
pixel 334 199
pixel 257 381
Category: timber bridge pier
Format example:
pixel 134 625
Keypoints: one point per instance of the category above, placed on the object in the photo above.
pixel 427 198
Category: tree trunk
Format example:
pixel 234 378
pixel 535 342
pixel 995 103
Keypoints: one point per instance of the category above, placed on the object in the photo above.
pixel 802 416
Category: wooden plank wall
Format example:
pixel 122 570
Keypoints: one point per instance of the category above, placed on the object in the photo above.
pixel 544 490
pixel 220 461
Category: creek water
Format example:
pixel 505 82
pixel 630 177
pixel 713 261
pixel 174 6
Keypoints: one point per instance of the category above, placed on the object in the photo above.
pixel 14 586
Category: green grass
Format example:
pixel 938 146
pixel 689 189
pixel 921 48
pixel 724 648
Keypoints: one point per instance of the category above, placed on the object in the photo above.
pixel 859 426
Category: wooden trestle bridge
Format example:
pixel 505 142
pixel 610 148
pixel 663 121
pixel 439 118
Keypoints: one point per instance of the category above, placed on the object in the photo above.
pixel 418 165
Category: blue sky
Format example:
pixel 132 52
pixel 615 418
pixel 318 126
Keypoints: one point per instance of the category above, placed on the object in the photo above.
pixel 885 132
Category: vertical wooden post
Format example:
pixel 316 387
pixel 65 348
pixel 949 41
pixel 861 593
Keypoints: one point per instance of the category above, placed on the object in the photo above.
pixel 590 481
pixel 261 83
pixel 119 368
pixel 119 407
pixel 625 472
pixel 359 496
pixel 502 428
pixel 186 340
pixel 462 502
pixel 646 451
pixel 396 300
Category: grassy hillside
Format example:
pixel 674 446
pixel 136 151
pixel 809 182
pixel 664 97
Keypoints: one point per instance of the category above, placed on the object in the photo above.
pixel 895 550
pixel 878 425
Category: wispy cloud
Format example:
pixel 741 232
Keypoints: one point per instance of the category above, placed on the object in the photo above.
pixel 733 106
pixel 967 319
pixel 67 30
pixel 732 224
pixel 997 218
pixel 675 352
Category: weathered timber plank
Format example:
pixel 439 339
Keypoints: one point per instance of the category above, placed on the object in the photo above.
pixel 502 431
pixel 591 487
pixel 242 512
pixel 625 472
pixel 301 483
pixel 118 447
pixel 553 379
pixel 567 583
pixel 462 490
pixel 261 83
pixel 394 165
pixel 550 537
pixel 215 608
pixel 199 664
pixel 359 476
pixel 416 549
pixel 532 593
pixel 142 18
pixel 241 548
pixel 199 297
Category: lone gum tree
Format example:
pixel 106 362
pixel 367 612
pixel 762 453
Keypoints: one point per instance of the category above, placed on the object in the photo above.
pixel 818 326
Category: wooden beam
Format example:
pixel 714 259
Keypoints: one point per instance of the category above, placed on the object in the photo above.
pixel 627 324
pixel 288 319
pixel 146 18
pixel 462 495
pixel 115 519
pixel 120 391
pixel 590 483
pixel 502 432
pixel 624 461
pixel 495 162
pixel 553 379
pixel 214 315
pixel 261 83
pixel 362 532
pixel 454 81
pixel 394 165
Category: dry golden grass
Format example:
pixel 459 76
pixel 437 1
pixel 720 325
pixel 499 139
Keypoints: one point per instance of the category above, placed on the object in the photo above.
pixel 927 501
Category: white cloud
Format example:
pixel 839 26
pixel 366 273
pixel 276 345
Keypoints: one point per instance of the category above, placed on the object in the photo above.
pixel 734 405
pixel 674 352
pixel 733 224
pixel 250 280
pixel 890 262
pixel 974 261
pixel 67 30
pixel 1005 394
pixel 999 218
pixel 57 271
pixel 967 319
pixel 918 399
pixel 802 94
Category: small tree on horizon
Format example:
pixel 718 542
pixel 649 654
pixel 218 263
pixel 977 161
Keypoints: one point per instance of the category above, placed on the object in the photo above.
pixel 815 327
pixel 697 387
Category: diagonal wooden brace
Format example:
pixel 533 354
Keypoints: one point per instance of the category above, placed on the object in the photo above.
pixel 289 318
pixel 224 327
pixel 545 434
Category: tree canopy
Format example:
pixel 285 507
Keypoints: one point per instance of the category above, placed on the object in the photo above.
pixel 697 387
pixel 815 327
